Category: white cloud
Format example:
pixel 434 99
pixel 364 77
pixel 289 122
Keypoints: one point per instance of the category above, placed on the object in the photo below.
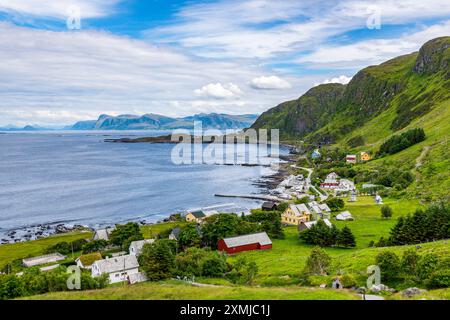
pixel 53 77
pixel 373 51
pixel 266 29
pixel 219 91
pixel 58 9
pixel 270 82
pixel 341 79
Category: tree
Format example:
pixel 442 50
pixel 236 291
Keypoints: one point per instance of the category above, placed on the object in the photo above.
pixel 345 238
pixel 157 259
pixel 189 236
pixel 320 234
pixel 219 226
pixel 389 264
pixel 335 204
pixel 386 211
pixel 243 271
pixel 318 263
pixel 95 246
pixel 124 232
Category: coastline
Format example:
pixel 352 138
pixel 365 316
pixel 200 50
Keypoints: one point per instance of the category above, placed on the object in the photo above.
pixel 43 230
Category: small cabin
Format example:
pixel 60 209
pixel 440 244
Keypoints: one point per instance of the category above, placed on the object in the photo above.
pixel 269 206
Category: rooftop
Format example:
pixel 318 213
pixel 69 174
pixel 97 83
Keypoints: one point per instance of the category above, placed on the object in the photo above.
pixel 262 238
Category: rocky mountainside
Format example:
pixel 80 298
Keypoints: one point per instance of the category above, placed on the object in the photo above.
pixel 408 87
pixel 407 92
pixel 159 122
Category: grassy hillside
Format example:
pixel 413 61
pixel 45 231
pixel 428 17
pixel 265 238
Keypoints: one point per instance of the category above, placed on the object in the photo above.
pixel 407 92
pixel 175 290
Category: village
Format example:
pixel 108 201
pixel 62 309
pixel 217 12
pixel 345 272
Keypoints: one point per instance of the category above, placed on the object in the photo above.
pixel 302 205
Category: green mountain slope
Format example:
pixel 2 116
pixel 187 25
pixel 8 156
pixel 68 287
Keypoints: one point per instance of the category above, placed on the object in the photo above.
pixel 406 92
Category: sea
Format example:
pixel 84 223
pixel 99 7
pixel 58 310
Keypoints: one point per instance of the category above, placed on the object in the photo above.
pixel 76 178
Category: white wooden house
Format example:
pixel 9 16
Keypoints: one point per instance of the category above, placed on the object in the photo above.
pixel 119 268
pixel 136 246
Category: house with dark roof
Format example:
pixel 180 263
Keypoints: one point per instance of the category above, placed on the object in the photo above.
pixel 255 241
pixel 195 216
pixel 269 206
pixel 175 234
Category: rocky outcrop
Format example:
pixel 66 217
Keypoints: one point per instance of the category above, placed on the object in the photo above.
pixel 432 57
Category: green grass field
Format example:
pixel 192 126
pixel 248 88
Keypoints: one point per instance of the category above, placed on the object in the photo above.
pixel 171 290
pixel 279 268
pixel 11 252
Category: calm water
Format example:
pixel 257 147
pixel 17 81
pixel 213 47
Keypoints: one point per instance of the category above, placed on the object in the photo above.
pixel 78 178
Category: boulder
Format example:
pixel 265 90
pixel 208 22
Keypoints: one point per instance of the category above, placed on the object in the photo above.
pixel 410 292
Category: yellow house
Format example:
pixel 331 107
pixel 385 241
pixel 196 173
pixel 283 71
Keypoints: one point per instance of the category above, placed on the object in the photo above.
pixel 365 156
pixel 295 214
pixel 195 216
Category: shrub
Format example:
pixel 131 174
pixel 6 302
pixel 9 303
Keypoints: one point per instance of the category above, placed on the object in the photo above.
pixel 389 264
pixel 410 261
pixel 95 246
pixel 318 263
pixel 60 247
pixel 243 271
pixel 439 279
pixel 386 211
pixel 427 265
pixel 348 281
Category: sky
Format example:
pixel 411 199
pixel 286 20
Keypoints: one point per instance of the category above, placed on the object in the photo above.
pixel 70 60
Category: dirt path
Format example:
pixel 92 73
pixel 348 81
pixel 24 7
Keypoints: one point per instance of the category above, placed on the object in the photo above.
pixel 420 158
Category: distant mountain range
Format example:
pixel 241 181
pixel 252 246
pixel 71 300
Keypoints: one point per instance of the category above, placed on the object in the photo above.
pixel 159 122
pixel 153 122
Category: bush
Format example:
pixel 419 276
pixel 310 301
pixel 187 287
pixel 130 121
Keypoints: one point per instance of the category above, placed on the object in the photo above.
pixel 335 204
pixel 386 211
pixel 60 247
pixel 410 261
pixel 318 263
pixel 427 265
pixel 95 246
pixel 439 279
pixel 389 264
pixel 348 281
pixel 243 271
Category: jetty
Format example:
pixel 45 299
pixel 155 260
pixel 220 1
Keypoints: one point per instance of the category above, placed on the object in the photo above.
pixel 251 196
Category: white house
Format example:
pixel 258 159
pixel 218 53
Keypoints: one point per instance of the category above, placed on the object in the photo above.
pixel 119 268
pixel 378 199
pixel 136 246
pixel 308 224
pixel 343 216
pixel 103 234
pixel 345 185
pixel 331 181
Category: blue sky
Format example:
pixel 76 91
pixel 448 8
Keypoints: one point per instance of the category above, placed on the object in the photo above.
pixel 178 58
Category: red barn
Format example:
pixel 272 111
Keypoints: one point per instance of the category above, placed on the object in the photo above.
pixel 255 241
